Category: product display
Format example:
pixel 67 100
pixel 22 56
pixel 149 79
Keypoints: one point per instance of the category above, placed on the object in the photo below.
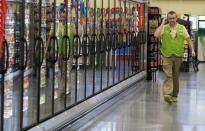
pixel 187 54
pixel 153 54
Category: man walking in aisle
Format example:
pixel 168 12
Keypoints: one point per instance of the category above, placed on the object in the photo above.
pixel 173 36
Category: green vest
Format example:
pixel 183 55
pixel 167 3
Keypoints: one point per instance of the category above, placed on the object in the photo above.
pixel 61 33
pixel 173 46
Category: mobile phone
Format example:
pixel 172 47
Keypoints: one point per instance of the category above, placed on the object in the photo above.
pixel 166 21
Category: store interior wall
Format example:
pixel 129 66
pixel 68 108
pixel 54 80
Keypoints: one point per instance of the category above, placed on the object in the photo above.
pixel 193 7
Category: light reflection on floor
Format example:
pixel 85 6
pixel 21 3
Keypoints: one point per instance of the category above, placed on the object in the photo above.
pixel 10 97
pixel 146 110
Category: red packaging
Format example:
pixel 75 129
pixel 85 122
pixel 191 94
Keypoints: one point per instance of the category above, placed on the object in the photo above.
pixel 3 10
pixel 141 13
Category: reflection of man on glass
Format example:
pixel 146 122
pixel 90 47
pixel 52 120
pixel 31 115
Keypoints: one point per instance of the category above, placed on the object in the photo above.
pixel 61 32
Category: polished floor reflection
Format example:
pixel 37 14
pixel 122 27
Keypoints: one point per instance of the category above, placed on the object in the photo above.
pixel 145 110
pixel 60 102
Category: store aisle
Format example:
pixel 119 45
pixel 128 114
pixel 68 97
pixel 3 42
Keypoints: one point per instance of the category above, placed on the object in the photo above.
pixel 145 110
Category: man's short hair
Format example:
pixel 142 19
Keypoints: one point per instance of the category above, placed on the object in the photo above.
pixel 171 13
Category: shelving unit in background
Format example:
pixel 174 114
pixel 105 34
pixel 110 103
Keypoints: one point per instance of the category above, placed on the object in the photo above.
pixel 153 56
pixel 186 59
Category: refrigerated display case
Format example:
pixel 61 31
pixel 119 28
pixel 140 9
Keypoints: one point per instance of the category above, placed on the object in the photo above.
pixel 32 91
pixel 138 25
pixel 17 41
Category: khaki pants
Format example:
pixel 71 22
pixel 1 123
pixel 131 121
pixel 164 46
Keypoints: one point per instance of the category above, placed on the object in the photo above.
pixel 171 66
pixel 62 79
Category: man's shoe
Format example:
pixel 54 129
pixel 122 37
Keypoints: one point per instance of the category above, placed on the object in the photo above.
pixel 61 95
pixel 168 99
pixel 174 99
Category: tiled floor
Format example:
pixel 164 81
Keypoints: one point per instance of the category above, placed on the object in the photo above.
pixel 145 109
